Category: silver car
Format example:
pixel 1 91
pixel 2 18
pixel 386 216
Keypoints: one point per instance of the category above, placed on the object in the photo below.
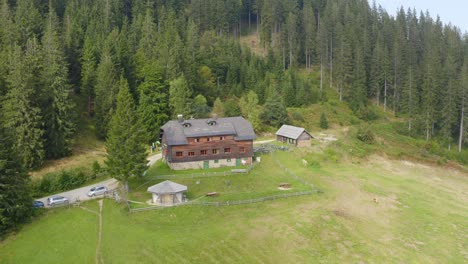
pixel 57 200
pixel 97 190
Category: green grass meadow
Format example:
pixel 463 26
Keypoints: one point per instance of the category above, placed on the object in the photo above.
pixel 262 181
pixel 371 210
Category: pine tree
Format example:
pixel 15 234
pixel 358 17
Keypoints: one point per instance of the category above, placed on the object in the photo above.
pixel 106 90
pixel 28 20
pixel 88 72
pixel 463 132
pixel 22 113
pixel 323 121
pixel 449 112
pixel 59 107
pixel 308 18
pixel 15 196
pixel 266 25
pixel 179 97
pixel 200 107
pixel 153 107
pixel 125 148
pixel 274 113
pixel 250 109
pixel 357 96
pixel 218 108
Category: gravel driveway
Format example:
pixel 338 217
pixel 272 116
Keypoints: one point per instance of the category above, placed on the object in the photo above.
pixel 80 193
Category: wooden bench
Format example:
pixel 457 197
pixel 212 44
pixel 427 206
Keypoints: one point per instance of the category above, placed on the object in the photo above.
pixel 284 185
pixel 212 194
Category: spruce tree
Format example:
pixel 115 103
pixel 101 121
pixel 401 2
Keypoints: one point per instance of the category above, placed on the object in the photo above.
pixel 58 107
pixel 106 90
pixel 274 113
pixel 15 196
pixel 22 112
pixel 88 73
pixel 153 107
pixel 179 97
pixel 323 121
pixel 125 142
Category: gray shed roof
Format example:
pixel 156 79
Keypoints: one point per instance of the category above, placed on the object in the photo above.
pixel 167 187
pixel 177 132
pixel 290 131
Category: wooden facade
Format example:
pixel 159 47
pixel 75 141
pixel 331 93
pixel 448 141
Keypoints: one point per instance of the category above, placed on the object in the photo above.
pixel 296 136
pixel 210 148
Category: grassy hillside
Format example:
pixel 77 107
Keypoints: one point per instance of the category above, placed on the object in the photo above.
pixel 372 209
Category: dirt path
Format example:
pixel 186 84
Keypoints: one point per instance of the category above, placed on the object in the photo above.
pixel 98 246
pixel 152 159
pixel 264 141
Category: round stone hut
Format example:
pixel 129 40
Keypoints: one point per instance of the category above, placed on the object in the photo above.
pixel 167 193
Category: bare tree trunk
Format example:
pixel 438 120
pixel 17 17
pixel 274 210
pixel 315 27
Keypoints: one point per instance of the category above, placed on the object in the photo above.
pixel 341 91
pixel 385 94
pixel 394 88
pixel 460 138
pixel 410 106
pixel 250 29
pixel 240 26
pixel 290 51
pixel 284 59
pixel 331 62
pixel 258 19
pixel 378 96
pixel 321 74
pixel 89 105
pixel 427 125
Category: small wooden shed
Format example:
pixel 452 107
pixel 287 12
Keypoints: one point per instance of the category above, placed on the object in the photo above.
pixel 167 193
pixel 296 136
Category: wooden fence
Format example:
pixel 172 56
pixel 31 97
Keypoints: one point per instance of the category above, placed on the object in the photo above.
pixel 227 203
pixel 293 175
pixel 314 189
pixel 199 175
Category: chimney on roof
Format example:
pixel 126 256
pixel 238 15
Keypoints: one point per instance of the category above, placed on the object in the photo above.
pixel 180 118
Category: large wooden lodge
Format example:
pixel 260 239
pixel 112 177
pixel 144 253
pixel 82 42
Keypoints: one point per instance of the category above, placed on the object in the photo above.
pixel 207 143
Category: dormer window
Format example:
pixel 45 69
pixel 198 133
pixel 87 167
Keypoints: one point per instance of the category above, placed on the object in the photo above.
pixel 187 125
pixel 211 123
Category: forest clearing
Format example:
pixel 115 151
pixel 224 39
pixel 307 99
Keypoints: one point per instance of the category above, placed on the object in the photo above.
pixel 380 209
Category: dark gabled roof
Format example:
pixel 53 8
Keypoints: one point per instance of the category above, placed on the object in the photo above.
pixel 291 131
pixel 167 187
pixel 177 132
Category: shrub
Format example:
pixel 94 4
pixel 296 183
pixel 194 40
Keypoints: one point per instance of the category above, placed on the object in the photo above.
pixel 296 115
pixel 96 169
pixel 366 135
pixel 62 181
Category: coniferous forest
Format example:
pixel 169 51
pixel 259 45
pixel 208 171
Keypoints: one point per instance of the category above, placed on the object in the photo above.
pixel 184 57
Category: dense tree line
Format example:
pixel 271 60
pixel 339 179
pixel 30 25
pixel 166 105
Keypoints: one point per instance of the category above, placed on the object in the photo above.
pixel 184 57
